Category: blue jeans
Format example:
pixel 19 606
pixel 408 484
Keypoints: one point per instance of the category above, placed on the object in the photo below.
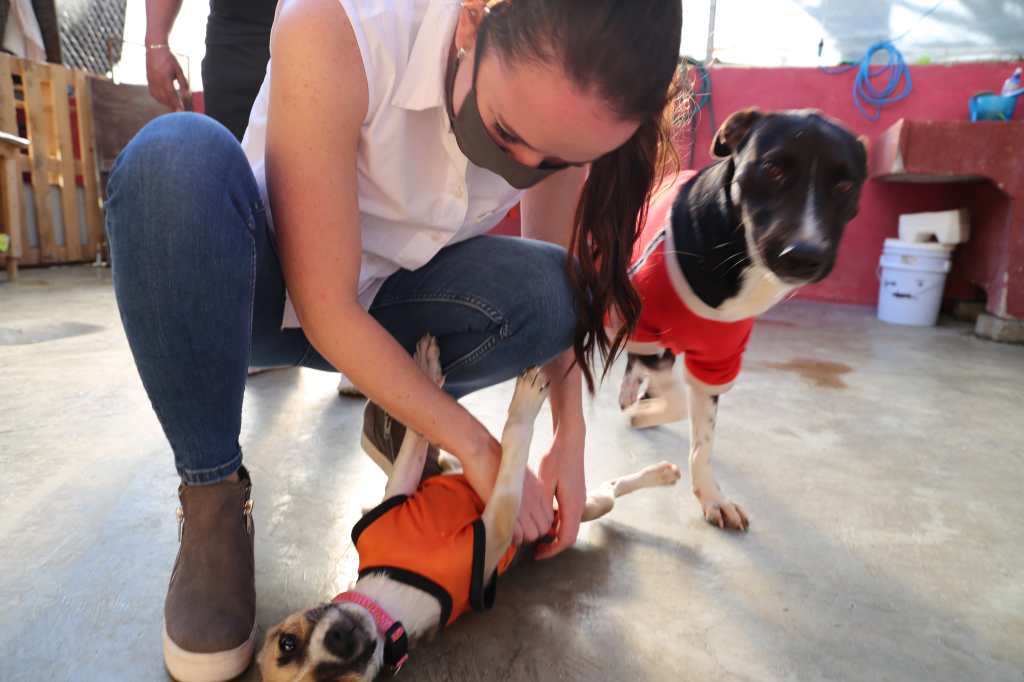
pixel 201 292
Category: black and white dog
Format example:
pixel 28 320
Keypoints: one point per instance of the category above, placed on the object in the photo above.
pixel 739 236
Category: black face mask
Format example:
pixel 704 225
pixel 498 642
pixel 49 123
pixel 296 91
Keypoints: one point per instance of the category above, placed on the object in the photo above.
pixel 475 140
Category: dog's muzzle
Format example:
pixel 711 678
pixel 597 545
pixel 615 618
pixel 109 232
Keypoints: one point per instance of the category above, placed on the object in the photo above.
pixel 396 642
pixel 802 261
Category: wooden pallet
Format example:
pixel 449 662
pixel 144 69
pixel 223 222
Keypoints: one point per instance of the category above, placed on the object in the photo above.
pixel 51 106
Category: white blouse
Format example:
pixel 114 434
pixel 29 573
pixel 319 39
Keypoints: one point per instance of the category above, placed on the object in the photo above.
pixel 417 191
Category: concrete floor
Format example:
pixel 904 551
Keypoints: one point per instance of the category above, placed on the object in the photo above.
pixel 882 468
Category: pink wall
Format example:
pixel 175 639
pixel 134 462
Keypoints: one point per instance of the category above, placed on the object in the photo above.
pixel 940 93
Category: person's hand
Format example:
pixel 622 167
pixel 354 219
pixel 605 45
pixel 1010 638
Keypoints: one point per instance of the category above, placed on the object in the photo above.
pixel 562 477
pixel 162 70
pixel 536 514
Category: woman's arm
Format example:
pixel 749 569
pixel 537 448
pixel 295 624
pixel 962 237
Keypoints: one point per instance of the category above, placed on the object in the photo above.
pixel 548 213
pixel 549 208
pixel 318 100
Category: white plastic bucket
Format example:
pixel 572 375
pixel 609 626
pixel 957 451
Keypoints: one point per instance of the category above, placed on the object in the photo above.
pixel 912 279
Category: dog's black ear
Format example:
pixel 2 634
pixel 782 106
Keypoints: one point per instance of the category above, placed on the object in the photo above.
pixel 734 131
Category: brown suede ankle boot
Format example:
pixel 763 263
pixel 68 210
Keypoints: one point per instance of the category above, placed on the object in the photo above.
pixel 210 610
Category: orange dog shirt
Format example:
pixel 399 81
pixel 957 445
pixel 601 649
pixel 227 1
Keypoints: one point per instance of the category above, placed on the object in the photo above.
pixel 433 540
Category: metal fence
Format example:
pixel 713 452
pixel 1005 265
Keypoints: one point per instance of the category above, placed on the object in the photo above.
pixel 91 33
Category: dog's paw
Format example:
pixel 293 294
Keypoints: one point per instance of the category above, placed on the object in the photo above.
pixel 449 463
pixel 651 412
pixel 346 389
pixel 428 357
pixel 722 513
pixel 531 391
pixel 662 473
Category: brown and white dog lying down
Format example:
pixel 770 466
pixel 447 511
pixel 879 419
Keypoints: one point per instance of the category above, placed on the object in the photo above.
pixel 723 246
pixel 428 553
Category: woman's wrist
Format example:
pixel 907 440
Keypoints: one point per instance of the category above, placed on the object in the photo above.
pixel 567 403
pixel 570 437
pixel 479 453
pixel 156 38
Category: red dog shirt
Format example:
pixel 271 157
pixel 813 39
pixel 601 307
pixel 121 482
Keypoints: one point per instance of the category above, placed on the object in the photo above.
pixel 712 349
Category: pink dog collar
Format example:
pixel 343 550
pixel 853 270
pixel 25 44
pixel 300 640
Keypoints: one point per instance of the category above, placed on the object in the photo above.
pixel 396 644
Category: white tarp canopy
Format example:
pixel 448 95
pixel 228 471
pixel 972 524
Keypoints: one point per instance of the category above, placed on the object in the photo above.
pixel 788 32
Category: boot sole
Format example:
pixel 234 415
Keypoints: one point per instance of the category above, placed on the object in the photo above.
pixel 220 666
pixel 387 465
pixel 376 455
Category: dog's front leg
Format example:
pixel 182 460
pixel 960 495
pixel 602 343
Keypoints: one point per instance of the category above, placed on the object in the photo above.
pixel 503 508
pixel 717 510
pixel 412 455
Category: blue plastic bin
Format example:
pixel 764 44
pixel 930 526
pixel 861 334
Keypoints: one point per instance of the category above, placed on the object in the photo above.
pixel 988 106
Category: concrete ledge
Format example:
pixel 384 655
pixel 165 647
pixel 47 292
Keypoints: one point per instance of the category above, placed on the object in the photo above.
pixel 1001 329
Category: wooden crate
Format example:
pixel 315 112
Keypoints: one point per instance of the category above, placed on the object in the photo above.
pixel 120 110
pixel 57 217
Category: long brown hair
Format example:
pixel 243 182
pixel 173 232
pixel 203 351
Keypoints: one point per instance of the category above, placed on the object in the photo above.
pixel 627 51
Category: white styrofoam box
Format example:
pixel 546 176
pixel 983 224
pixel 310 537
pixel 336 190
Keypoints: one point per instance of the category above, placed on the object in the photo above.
pixel 947 227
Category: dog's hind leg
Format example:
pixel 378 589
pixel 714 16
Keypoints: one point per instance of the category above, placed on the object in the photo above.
pixel 412 454
pixel 665 403
pixel 639 368
pixel 602 500
pixel 503 508
pixel 632 381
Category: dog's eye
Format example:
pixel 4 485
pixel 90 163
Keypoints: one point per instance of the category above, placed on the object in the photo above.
pixel 287 642
pixel 775 172
pixel 844 187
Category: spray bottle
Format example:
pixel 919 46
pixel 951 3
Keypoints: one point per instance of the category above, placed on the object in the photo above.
pixel 1013 86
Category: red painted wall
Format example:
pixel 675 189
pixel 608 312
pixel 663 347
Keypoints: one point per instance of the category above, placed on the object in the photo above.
pixel 940 93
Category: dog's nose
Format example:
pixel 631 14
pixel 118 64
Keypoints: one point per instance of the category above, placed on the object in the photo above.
pixel 803 260
pixel 343 637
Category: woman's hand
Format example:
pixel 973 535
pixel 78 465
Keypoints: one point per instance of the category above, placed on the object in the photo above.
pixel 562 478
pixel 536 514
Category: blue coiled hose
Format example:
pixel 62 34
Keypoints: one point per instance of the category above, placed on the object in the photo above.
pixel 869 98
